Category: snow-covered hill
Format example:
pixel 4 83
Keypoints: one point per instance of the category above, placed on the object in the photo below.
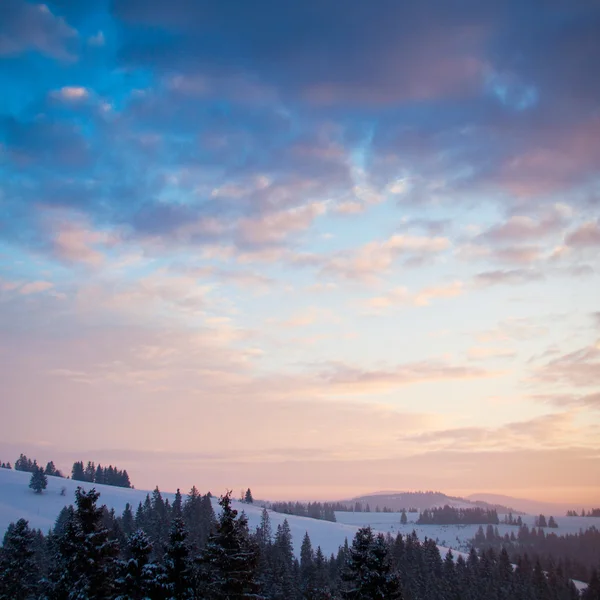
pixel 18 501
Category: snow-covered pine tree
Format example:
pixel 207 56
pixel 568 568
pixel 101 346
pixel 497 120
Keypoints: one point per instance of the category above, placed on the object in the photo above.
pixel 19 572
pixel 85 560
pixel 230 557
pixel 368 574
pixel 178 567
pixel 137 577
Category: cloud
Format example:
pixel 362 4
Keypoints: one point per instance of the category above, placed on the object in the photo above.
pixel 35 287
pixel 339 378
pixel 585 236
pixel 546 431
pixel 580 368
pixel 507 276
pixel 401 296
pixel 97 40
pixel 523 228
pixel 71 93
pixel 591 401
pixel 275 227
pixel 355 66
pixel 76 242
pixel 375 258
pixel 28 26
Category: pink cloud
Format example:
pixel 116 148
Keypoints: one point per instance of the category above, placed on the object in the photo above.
pixel 35 287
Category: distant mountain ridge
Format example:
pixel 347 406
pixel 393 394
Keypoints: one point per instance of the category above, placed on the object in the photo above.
pixel 424 500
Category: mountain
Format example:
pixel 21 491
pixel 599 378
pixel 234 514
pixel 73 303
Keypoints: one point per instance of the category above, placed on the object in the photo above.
pixel 424 500
pixel 526 505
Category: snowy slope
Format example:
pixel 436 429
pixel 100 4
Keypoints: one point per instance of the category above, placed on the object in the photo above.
pixel 456 537
pixel 18 501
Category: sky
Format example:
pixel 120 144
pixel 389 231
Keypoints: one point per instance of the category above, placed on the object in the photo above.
pixel 317 248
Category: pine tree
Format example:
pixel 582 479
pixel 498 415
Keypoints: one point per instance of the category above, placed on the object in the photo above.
pixel 137 577
pixel 178 570
pixel 177 505
pixel 248 497
pixel 38 482
pixel 19 571
pixel 368 574
pixel 283 582
pixel 403 518
pixel 230 557
pixel 127 520
pixel 78 472
pixel 52 470
pixel 85 563
pixel 592 591
pixel 307 568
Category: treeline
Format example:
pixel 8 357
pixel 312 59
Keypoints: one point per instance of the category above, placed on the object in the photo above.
pixel 315 510
pixel 576 554
pixel 594 512
pixel 5 465
pixel 98 474
pixel 23 463
pixel 89 556
pixel 449 515
pixel 366 507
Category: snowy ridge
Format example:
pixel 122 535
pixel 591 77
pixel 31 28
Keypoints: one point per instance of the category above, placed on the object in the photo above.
pixel 18 501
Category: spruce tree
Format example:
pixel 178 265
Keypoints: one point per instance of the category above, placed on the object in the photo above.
pixel 137 577
pixel 85 562
pixel 368 574
pixel 307 568
pixel 230 557
pixel 19 571
pixel 178 569
pixel 38 482
pixel 78 472
pixel 592 592
pixel 248 497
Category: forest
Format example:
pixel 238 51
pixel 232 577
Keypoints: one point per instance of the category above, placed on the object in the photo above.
pixel 182 551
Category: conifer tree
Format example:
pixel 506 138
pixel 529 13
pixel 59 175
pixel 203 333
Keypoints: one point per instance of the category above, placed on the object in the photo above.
pixel 230 557
pixel 138 578
pixel 85 563
pixel 403 518
pixel 127 520
pixel 19 572
pixel 178 570
pixel 248 497
pixel 368 574
pixel 592 591
pixel 38 482
pixel 78 472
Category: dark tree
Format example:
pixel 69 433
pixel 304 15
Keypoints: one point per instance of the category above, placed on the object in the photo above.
pixel 248 497
pixel 138 578
pixel 78 472
pixel 230 557
pixel 593 589
pixel 368 573
pixel 85 562
pixel 403 518
pixel 19 571
pixel 178 570
pixel 38 482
